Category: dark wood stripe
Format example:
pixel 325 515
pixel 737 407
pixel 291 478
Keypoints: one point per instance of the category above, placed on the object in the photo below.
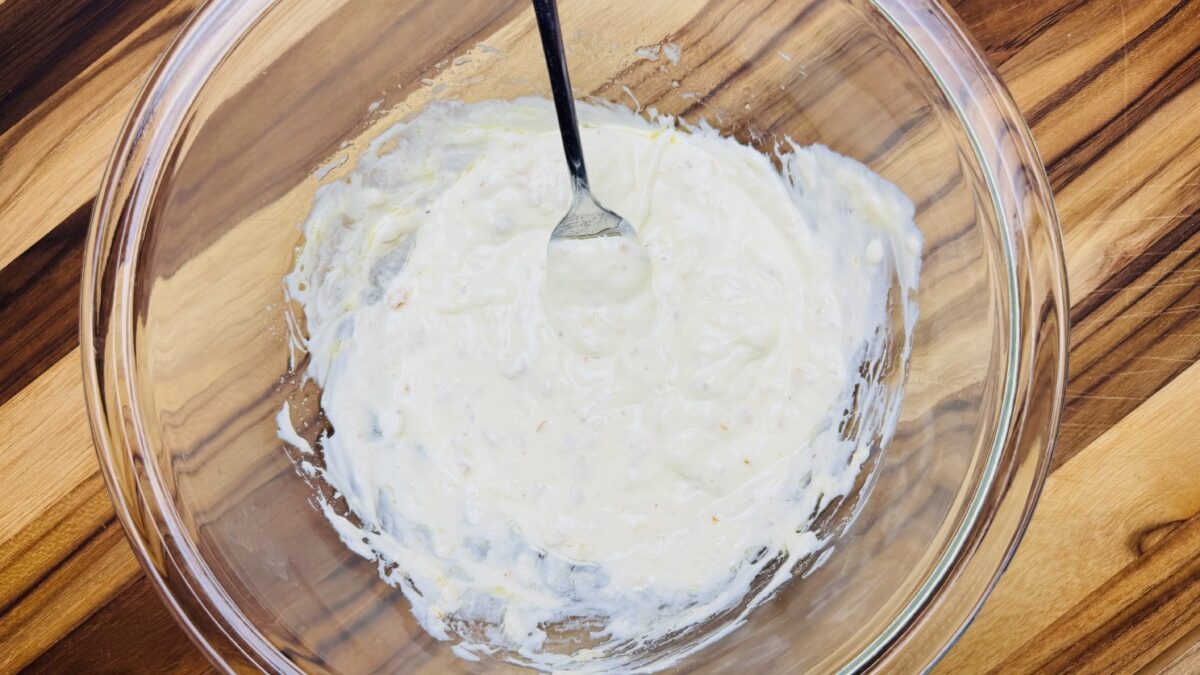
pixel 1131 355
pixel 134 619
pixel 1084 153
pixel 1064 93
pixel 1120 622
pixel 39 304
pixel 58 593
pixel 50 571
pixel 61 532
pixel 1004 31
pixel 43 45
pixel 1138 265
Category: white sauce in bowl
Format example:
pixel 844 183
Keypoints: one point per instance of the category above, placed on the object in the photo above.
pixel 628 440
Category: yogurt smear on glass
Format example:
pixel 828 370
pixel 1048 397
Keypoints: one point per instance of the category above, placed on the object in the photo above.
pixel 564 455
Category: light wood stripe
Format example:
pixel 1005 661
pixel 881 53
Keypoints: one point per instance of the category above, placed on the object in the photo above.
pixel 45 445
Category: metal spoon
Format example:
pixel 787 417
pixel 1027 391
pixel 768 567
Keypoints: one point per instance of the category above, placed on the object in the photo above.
pixel 587 217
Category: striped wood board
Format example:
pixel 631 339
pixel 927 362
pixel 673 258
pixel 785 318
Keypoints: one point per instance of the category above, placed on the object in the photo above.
pixel 1108 579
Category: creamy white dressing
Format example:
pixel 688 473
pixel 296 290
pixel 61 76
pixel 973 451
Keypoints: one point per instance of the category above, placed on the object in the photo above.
pixel 619 438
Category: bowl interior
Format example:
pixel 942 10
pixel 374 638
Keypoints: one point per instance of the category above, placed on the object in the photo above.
pixel 305 86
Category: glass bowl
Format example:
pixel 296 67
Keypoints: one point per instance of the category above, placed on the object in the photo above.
pixel 258 102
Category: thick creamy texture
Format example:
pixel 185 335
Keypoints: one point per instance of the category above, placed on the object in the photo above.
pixel 624 434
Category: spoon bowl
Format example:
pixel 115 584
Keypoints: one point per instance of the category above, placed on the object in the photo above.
pixel 588 218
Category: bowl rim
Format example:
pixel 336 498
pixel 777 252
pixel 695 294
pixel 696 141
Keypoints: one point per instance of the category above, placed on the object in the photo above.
pixel 1035 386
pixel 979 551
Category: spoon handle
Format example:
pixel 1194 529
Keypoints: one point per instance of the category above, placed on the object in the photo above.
pixel 560 84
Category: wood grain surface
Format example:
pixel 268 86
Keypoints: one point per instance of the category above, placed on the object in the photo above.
pixel 1108 576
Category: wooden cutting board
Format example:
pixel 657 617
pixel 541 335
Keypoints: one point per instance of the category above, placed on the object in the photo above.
pixel 1108 576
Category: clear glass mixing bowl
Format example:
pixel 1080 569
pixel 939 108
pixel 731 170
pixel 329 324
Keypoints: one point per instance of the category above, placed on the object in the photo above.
pixel 184 336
